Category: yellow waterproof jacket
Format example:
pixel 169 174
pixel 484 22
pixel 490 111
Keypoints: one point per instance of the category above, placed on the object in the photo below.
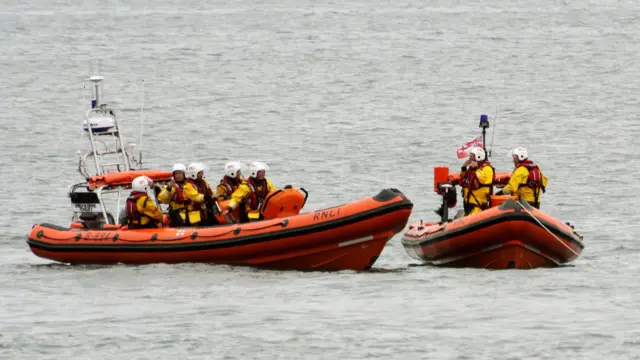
pixel 240 196
pixel 147 207
pixel 223 192
pixel 482 176
pixel 518 185
pixel 189 191
pixel 170 197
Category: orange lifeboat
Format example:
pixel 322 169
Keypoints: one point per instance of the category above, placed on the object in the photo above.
pixel 510 234
pixel 349 236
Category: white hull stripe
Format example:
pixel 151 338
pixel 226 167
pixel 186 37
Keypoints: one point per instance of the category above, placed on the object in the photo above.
pixel 356 241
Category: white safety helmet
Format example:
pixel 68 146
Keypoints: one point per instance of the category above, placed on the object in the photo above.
pixel 479 153
pixel 521 153
pixel 141 184
pixel 194 169
pixel 231 168
pixel 255 167
pixel 179 167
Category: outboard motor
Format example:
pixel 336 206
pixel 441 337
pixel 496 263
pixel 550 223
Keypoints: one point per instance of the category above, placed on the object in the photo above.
pixel 449 200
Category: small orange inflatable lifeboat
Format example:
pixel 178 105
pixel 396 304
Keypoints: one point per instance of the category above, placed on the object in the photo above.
pixel 510 234
pixel 349 236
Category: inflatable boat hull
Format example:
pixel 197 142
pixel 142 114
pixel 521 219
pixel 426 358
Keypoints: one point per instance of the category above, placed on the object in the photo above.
pixel 349 236
pixel 511 235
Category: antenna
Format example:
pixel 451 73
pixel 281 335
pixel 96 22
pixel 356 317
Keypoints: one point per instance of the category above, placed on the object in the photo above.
pixel 494 130
pixel 144 29
pixel 141 119
pixel 82 106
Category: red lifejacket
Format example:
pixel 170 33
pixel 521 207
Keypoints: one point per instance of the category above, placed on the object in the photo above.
pixel 178 196
pixel 200 187
pixel 134 216
pixel 259 191
pixel 231 184
pixel 470 180
pixel 534 181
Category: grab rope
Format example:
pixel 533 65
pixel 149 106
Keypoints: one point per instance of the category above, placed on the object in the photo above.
pixel 281 223
pixel 235 230
pixel 549 231
pixel 554 235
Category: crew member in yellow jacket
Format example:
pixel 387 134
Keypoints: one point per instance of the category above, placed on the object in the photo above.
pixel 142 212
pixel 172 194
pixel 201 198
pixel 527 181
pixel 230 181
pixel 252 193
pixel 476 178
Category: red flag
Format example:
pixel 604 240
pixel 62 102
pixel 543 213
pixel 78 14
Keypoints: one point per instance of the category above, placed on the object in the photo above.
pixel 463 151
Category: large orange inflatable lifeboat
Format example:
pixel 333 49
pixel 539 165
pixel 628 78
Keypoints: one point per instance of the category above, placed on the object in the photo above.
pixel 349 236
pixel 510 234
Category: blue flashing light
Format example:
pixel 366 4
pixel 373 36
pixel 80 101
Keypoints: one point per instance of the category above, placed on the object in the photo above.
pixel 484 121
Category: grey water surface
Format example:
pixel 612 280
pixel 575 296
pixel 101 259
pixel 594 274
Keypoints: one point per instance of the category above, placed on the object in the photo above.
pixel 343 98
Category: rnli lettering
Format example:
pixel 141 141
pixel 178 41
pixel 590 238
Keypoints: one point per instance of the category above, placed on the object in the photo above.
pixel 326 214
pixel 98 236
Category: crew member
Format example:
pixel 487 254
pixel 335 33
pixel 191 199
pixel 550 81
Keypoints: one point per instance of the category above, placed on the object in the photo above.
pixel 230 181
pixel 172 194
pixel 198 191
pixel 527 181
pixel 252 194
pixel 142 212
pixel 476 180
